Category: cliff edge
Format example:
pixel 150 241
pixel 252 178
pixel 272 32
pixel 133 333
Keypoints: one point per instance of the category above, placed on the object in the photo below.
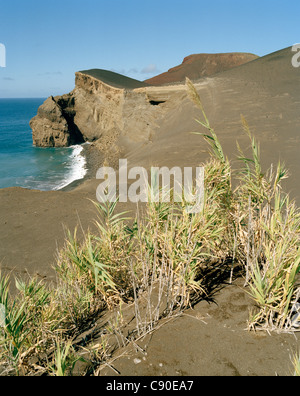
pixel 105 108
pixel 113 110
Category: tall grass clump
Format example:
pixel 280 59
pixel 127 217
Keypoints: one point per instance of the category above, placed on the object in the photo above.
pixel 261 231
pixel 64 358
pixel 14 331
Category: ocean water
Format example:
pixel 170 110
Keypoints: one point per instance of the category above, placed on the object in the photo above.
pixel 22 164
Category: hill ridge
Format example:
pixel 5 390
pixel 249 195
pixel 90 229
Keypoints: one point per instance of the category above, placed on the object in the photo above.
pixel 197 66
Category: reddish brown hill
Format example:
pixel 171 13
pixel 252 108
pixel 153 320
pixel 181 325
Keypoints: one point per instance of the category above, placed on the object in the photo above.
pixel 202 65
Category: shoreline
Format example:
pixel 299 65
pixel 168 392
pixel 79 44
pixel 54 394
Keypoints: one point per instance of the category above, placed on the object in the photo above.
pixel 93 161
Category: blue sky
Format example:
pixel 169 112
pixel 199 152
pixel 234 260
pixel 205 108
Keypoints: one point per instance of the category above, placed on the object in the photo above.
pixel 48 41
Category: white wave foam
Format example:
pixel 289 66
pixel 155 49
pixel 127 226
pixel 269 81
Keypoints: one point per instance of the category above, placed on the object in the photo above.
pixel 77 167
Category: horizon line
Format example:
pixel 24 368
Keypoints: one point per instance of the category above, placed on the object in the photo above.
pixel 28 97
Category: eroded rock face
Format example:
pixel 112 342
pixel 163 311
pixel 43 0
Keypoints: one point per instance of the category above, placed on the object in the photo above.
pixel 96 112
pixel 49 127
pixel 54 126
pixel 111 109
pixel 98 107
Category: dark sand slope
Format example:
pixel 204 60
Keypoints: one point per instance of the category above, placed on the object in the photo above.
pixel 213 341
pixel 210 340
pixel 32 227
pixel 266 91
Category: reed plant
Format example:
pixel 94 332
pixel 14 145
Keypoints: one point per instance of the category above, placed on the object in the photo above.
pixel 261 231
pixel 14 333
pixel 64 358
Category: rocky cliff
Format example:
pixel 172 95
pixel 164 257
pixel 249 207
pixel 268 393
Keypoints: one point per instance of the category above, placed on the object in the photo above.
pixel 106 108
pixel 115 111
pixel 151 125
